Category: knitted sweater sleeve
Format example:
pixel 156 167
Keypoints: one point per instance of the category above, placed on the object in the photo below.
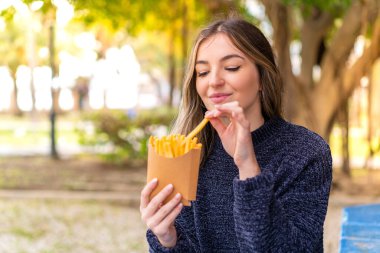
pixel 287 215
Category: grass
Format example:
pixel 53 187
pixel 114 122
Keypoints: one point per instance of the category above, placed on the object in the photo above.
pixel 57 226
pixel 26 133
pixel 78 173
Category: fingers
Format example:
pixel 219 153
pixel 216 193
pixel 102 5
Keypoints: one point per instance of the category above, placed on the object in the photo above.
pixel 164 210
pixel 232 110
pixel 145 193
pixel 156 202
pixel 167 213
pixel 217 123
pixel 170 218
pixel 160 218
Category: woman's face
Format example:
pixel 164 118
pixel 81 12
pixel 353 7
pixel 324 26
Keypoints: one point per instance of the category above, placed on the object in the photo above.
pixel 225 74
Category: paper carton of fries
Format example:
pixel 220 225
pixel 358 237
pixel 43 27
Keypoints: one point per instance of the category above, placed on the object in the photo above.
pixel 175 159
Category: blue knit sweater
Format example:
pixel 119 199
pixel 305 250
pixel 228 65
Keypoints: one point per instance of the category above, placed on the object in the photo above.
pixel 281 210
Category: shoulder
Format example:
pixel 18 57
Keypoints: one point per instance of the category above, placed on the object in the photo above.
pixel 306 153
pixel 304 141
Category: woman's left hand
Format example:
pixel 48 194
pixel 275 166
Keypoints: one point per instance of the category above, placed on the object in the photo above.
pixel 235 136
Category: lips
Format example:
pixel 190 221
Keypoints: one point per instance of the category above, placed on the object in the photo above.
pixel 218 98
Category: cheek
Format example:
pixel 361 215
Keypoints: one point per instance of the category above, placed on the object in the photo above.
pixel 201 89
pixel 250 83
pixel 247 88
pixel 202 92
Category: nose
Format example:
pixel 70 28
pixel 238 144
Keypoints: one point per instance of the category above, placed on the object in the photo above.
pixel 216 79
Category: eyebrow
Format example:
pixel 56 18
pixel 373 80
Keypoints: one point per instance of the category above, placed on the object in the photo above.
pixel 224 58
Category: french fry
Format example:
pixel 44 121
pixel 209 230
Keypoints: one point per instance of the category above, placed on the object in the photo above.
pixel 176 144
pixel 197 129
pixel 173 145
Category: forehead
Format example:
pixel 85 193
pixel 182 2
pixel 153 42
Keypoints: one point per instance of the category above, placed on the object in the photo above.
pixel 218 44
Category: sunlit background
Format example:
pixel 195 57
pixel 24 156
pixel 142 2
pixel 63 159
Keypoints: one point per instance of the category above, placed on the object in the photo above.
pixel 114 82
pixel 86 80
pixel 119 80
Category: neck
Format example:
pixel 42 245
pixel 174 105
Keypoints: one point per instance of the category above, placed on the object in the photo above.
pixel 256 122
pixel 255 117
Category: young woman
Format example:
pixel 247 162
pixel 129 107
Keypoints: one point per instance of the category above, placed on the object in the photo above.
pixel 264 183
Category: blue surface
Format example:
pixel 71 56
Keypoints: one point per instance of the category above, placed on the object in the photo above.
pixel 354 246
pixel 360 229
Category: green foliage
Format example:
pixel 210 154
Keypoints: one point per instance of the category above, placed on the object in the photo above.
pixel 160 19
pixel 13 38
pixel 8 14
pixel 336 7
pixel 127 135
pixel 14 41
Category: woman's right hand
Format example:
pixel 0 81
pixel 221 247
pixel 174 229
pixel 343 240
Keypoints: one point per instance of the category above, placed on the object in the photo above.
pixel 158 217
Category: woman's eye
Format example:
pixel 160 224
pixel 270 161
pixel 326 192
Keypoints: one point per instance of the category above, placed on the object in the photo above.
pixel 202 73
pixel 233 69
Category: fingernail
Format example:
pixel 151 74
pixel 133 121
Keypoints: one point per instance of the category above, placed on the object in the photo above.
pixel 178 196
pixel 154 180
pixel 169 186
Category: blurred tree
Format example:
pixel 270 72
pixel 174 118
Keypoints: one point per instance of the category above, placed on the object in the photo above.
pixel 327 31
pixel 12 38
pixel 20 41
pixel 170 21
pixel 373 114
pixel 48 11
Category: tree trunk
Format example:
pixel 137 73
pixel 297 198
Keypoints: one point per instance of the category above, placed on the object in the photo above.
pixel 373 113
pixel 313 32
pixel 295 93
pixel 184 40
pixel 345 140
pixel 172 67
pixel 32 89
pixel 368 162
pixel 31 48
pixel 15 109
pixel 220 8
pixel 315 105
pixel 53 111
pixel 375 98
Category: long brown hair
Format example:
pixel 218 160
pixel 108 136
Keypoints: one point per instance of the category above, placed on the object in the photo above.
pixel 249 40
